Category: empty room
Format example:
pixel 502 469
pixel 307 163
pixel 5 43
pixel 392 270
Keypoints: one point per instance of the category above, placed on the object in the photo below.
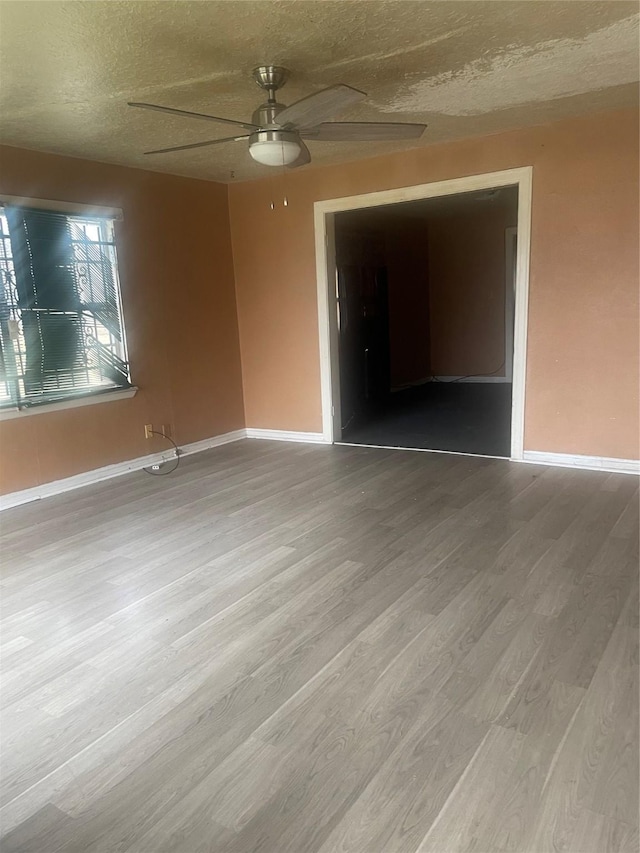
pixel 319 426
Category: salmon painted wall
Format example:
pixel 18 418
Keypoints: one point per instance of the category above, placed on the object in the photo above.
pixel 398 244
pixel 467 288
pixel 179 306
pixel 407 259
pixel 582 369
pixel 447 283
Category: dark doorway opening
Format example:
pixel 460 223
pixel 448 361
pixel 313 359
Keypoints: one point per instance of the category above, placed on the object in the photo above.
pixel 425 322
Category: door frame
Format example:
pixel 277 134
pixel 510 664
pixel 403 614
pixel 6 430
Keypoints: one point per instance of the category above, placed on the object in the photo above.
pixel 510 246
pixel 326 271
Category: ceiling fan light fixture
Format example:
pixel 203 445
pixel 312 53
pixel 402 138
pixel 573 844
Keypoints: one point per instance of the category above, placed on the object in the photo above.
pixel 274 147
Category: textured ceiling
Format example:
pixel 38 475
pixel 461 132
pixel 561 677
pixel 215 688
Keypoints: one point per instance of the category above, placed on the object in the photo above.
pixel 465 68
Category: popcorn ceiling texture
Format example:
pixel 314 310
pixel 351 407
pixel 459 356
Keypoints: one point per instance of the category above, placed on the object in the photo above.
pixel 465 68
pixel 556 69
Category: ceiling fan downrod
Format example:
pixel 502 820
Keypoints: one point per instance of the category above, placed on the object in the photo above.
pixel 271 78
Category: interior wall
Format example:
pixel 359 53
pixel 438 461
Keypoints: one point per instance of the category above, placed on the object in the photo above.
pixel 397 243
pixel 582 356
pixel 408 273
pixel 446 265
pixel 177 280
pixel 176 273
pixel 467 290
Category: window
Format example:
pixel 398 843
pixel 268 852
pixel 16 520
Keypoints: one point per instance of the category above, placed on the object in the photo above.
pixel 61 332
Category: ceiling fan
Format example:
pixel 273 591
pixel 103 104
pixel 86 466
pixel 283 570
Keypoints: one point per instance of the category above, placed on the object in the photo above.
pixel 276 133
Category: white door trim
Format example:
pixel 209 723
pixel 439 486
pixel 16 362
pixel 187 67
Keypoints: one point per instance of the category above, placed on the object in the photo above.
pixel 510 246
pixel 324 212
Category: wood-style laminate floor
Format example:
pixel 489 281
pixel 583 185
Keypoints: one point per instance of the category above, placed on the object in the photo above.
pixel 305 648
pixel 459 417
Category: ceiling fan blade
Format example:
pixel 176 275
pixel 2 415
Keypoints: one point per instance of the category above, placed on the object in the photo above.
pixel 314 109
pixel 198 144
pixel 363 131
pixel 303 158
pixel 172 111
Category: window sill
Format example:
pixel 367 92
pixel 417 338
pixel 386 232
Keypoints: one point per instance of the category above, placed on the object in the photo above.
pixel 91 400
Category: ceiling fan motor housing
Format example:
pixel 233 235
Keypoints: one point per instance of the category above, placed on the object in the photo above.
pixel 267 113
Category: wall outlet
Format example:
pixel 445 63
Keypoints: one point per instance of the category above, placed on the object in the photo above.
pixel 148 430
pixel 166 430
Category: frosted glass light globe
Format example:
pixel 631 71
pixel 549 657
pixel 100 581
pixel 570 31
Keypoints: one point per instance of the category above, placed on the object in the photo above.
pixel 275 152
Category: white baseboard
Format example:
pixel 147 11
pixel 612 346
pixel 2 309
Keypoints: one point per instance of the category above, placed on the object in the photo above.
pixel 286 435
pixel 463 380
pixel 563 460
pixel 417 383
pixel 590 463
pixel 108 471
pixel 214 441
pixel 460 380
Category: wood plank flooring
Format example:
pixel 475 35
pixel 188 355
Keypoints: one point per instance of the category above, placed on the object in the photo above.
pixel 318 649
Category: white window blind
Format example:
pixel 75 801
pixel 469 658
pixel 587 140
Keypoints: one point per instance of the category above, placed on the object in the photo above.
pixel 61 330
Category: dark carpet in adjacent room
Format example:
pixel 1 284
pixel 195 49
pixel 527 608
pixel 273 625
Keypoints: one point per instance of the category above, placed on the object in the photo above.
pixel 455 416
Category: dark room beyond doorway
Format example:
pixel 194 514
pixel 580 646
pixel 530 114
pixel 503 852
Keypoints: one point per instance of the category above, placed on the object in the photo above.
pixel 425 294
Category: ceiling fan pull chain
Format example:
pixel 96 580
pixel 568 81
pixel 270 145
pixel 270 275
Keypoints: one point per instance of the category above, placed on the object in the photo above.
pixel 274 192
pixel 285 200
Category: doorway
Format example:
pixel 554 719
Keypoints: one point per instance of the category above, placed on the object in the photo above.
pixel 425 322
pixel 422 325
